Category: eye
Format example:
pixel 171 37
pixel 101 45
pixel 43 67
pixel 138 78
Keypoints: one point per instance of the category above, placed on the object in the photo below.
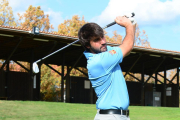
pixel 96 39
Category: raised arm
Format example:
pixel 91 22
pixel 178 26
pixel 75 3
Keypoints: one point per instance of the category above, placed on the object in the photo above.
pixel 128 42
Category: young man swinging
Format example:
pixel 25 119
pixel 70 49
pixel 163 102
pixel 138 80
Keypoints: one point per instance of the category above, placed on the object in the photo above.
pixel 104 70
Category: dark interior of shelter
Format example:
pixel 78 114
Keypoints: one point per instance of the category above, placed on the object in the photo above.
pixel 21 45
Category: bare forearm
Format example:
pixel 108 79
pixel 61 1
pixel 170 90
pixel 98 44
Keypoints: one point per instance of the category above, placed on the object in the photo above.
pixel 128 42
pixel 129 38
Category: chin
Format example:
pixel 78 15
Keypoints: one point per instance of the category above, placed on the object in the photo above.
pixel 104 50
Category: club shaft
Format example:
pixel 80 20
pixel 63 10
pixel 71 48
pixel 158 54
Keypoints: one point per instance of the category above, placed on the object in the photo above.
pixel 109 25
pixel 57 51
pixel 69 45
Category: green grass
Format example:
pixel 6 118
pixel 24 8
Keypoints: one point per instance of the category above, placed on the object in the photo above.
pixel 33 110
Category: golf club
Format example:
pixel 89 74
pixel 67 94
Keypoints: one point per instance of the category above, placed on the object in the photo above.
pixel 35 66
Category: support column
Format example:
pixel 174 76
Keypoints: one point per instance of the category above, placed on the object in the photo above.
pixel 156 79
pixel 177 88
pixel 31 77
pixel 68 86
pixel 62 80
pixel 142 86
pixel 38 83
pixel 91 94
pixel 164 88
pixel 7 80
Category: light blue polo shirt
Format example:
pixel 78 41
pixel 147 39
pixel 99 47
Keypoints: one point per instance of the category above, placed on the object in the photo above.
pixel 107 79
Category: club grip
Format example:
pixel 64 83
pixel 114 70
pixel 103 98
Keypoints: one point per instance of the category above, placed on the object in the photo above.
pixel 110 24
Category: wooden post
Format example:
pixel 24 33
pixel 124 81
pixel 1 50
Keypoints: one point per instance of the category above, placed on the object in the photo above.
pixel 156 79
pixel 177 95
pixel 7 80
pixel 31 77
pixel 38 83
pixel 68 86
pixel 91 94
pixel 62 79
pixel 164 88
pixel 142 86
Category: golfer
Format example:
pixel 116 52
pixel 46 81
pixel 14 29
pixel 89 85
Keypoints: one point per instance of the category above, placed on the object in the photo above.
pixel 104 70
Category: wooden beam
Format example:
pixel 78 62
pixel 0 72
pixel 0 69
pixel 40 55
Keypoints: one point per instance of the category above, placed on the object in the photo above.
pixel 9 57
pixel 24 51
pixel 53 69
pixel 157 80
pixel 155 70
pixel 166 78
pixel 173 77
pixel 22 66
pixel 74 65
pixel 54 45
pixel 134 77
pixel 81 71
pixel 133 65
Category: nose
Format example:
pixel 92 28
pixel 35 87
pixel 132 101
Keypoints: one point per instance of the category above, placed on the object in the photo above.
pixel 103 40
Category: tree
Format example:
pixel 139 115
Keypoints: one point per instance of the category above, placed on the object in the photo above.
pixel 141 38
pixel 115 38
pixel 50 83
pixel 34 16
pixel 6 14
pixel 71 26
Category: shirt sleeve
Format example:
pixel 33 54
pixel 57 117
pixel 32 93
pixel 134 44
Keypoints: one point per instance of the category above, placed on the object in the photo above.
pixel 111 58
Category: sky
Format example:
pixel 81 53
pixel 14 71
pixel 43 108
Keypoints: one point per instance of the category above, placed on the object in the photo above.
pixel 159 18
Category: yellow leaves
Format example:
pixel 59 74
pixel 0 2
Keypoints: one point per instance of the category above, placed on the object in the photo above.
pixel 71 26
pixel 141 39
pixel 115 38
pixel 6 14
pixel 34 16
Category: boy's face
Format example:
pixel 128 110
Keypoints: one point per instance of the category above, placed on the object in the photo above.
pixel 97 45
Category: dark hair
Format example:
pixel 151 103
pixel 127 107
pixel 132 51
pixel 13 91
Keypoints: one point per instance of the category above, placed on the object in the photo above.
pixel 89 31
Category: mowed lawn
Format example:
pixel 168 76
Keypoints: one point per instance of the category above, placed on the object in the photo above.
pixel 33 110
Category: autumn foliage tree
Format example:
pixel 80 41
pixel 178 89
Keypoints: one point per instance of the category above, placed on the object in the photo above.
pixel 6 14
pixel 50 83
pixel 117 38
pixel 34 16
pixel 71 26
pixel 141 38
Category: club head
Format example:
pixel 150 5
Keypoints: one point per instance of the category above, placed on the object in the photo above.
pixel 35 68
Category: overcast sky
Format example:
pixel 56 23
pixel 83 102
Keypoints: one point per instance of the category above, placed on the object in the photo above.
pixel 159 18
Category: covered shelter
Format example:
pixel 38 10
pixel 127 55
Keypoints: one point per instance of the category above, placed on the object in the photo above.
pixel 19 44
